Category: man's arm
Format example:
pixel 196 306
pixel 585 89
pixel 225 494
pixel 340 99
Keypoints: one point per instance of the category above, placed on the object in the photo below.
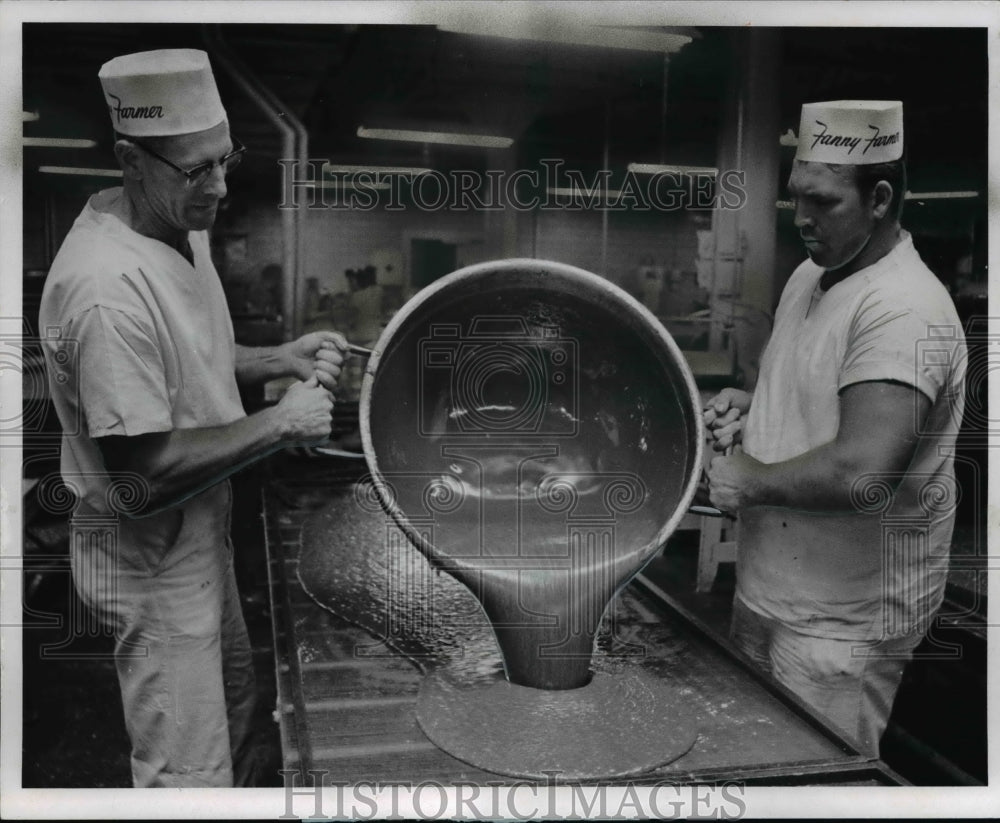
pixel 258 364
pixel 180 463
pixel 878 429
pixel 320 353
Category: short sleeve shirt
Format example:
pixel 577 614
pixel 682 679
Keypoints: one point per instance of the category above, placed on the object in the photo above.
pixel 878 570
pixel 138 340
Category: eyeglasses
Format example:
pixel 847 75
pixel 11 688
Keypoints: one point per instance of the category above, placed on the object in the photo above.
pixel 200 173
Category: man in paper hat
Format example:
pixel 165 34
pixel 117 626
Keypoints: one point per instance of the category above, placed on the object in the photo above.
pixel 144 375
pixel 845 487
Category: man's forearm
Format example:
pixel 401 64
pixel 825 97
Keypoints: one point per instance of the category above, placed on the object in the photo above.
pixel 178 464
pixel 876 437
pixel 258 364
pixel 820 480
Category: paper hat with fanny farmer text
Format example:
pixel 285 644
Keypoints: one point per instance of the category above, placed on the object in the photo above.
pixel 161 93
pixel 855 132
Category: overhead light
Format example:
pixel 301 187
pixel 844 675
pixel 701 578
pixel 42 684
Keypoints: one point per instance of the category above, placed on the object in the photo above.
pixel 347 184
pixel 910 195
pixel 84 172
pixel 29 116
pixel 940 195
pixel 484 141
pixel 574 191
pixel 657 168
pixel 410 171
pixel 58 142
pixel 613 37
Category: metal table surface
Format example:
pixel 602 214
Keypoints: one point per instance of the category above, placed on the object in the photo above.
pixel 353 717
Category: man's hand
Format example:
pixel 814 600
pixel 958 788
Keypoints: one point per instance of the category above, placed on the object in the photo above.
pixel 724 415
pixel 318 354
pixel 731 481
pixel 305 412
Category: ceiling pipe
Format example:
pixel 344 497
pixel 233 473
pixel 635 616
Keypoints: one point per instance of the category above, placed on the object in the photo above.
pixel 294 143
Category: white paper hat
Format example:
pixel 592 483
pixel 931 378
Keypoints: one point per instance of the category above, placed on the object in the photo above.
pixel 161 93
pixel 855 132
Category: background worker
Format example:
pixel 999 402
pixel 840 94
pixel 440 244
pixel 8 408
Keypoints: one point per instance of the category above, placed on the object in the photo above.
pixel 850 424
pixel 149 404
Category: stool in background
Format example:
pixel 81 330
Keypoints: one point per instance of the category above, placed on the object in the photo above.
pixel 717 540
pixel 717 537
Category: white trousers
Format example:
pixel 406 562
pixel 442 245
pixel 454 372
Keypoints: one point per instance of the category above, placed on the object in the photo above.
pixel 852 683
pixel 165 584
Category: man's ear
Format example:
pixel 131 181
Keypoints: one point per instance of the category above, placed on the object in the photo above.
pixel 128 158
pixel 881 199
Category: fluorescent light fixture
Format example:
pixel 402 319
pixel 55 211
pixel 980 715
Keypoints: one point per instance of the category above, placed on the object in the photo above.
pixel 910 195
pixel 348 184
pixel 658 168
pixel 940 195
pixel 483 141
pixel 29 116
pixel 409 171
pixel 84 172
pixel 58 142
pixel 597 193
pixel 612 37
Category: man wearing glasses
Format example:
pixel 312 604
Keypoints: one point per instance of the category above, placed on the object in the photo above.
pixel 144 370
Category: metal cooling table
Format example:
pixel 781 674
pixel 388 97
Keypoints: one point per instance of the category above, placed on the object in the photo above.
pixel 354 718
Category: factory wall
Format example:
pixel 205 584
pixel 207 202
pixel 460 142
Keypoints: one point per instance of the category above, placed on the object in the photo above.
pixel 652 254
pixel 634 239
pixel 346 239
pixel 248 240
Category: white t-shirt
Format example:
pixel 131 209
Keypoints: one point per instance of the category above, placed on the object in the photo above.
pixel 880 571
pixel 138 341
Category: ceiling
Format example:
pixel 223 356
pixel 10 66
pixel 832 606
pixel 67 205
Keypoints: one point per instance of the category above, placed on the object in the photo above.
pixel 335 78
pixel 555 100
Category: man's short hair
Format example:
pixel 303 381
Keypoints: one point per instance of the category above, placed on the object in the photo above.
pixel 156 143
pixel 867 177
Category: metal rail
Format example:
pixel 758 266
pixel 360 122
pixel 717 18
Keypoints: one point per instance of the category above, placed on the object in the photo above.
pixel 295 742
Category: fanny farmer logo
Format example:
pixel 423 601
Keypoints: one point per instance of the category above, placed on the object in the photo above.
pixel 876 140
pixel 133 112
